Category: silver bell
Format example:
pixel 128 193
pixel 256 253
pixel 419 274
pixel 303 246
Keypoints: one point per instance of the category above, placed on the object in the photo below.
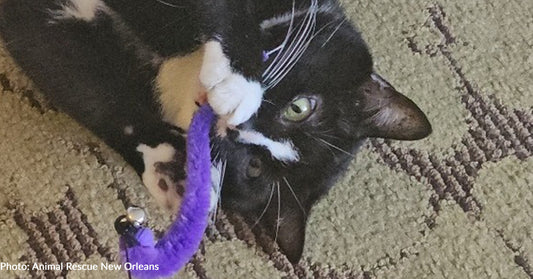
pixel 136 215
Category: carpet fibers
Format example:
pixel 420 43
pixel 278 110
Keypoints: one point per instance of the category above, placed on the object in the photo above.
pixel 458 204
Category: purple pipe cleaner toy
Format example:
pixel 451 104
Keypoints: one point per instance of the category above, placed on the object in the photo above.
pixel 141 255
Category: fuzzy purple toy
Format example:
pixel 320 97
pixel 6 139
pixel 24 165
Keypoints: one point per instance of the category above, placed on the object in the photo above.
pixel 140 254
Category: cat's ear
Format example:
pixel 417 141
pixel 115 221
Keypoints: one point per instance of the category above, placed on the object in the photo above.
pixel 291 234
pixel 288 230
pixel 389 114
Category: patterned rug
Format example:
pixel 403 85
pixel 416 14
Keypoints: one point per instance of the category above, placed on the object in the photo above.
pixel 456 205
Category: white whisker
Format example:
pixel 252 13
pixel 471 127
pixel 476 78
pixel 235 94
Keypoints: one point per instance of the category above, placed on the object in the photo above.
pixel 286 65
pixel 329 136
pixel 329 144
pixel 336 147
pixel 283 55
pixel 298 45
pixel 325 133
pixel 217 187
pixel 333 33
pixel 289 32
pixel 268 53
pixel 266 207
pixel 223 173
pixel 294 195
pixel 279 215
pixel 301 37
pixel 315 138
pixel 269 102
pixel 168 4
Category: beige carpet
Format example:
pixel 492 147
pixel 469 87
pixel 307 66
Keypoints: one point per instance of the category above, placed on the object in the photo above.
pixel 456 205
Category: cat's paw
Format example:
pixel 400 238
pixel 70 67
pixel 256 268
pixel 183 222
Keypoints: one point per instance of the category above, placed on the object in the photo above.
pixel 236 98
pixel 229 93
pixel 164 174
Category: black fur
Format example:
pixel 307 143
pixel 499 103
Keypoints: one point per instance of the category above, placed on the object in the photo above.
pixel 102 77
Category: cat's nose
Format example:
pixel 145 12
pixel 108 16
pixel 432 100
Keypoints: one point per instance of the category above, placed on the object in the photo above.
pixel 255 167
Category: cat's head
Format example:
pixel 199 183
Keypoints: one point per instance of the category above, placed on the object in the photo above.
pixel 326 104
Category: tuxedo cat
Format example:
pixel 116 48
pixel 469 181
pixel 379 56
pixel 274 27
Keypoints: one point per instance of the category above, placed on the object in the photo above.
pixel 291 81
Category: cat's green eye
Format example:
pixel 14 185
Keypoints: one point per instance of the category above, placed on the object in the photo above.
pixel 299 109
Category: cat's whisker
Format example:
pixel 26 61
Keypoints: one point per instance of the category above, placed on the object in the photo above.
pixel 315 138
pixel 278 219
pixel 286 70
pixel 223 173
pixel 323 123
pixel 329 144
pixel 301 36
pixel 286 54
pixel 322 28
pixel 297 56
pixel 215 164
pixel 274 81
pixel 329 136
pixel 169 4
pixel 333 33
pixel 283 44
pixel 294 195
pixel 325 133
pixel 222 183
pixel 282 55
pixel 269 102
pixel 219 190
pixel 335 147
pixel 266 207
pixel 216 157
pixel 299 44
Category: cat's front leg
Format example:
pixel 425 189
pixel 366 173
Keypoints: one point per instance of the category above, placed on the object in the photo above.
pixel 229 93
pixel 164 174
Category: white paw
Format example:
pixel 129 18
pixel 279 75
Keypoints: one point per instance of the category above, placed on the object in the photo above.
pixel 215 65
pixel 161 175
pixel 235 97
pixel 228 93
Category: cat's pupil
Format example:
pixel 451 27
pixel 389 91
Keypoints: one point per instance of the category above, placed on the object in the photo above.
pixel 296 108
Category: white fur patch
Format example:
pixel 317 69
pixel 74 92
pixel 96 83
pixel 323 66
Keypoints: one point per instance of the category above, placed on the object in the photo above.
pixel 164 153
pixel 280 19
pixel 281 150
pixel 228 93
pixel 216 66
pixel 236 97
pixel 179 85
pixel 79 9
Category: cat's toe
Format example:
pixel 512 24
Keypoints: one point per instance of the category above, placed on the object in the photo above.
pixel 164 174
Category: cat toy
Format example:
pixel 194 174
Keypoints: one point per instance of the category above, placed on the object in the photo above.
pixel 141 255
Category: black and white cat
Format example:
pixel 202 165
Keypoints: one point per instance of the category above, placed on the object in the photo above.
pixel 291 81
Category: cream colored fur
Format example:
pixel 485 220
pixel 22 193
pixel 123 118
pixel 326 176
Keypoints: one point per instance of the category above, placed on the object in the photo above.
pixel 179 86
